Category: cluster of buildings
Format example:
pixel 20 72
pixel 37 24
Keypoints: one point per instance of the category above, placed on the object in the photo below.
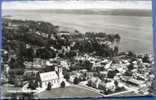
pixel 123 74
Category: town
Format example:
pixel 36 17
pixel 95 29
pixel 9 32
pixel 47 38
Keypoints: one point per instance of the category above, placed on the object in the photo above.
pixel 40 58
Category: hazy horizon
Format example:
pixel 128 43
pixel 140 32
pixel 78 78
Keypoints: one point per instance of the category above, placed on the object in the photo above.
pixel 86 4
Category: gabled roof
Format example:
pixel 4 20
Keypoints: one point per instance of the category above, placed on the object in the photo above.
pixel 48 76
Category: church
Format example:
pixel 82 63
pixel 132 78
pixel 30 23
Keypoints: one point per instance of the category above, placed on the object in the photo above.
pixel 54 77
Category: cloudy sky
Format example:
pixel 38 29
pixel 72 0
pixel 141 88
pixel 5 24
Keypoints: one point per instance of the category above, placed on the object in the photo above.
pixel 106 4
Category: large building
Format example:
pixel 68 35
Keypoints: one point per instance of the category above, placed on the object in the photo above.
pixel 54 77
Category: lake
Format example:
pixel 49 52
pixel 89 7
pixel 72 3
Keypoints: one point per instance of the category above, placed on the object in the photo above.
pixel 136 31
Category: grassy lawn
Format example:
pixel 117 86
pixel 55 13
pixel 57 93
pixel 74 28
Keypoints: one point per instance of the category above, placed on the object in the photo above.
pixel 68 92
pixel 131 93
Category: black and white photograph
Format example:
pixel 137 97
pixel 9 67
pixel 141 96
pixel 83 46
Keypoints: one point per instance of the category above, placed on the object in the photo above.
pixel 77 49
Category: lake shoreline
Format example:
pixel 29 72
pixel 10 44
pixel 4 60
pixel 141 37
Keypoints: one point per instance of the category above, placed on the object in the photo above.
pixel 83 23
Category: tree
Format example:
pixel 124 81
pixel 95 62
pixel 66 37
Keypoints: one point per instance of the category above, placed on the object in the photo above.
pixel 111 74
pixel 45 53
pixel 23 29
pixel 130 67
pixel 49 86
pixel 70 54
pixel 111 38
pixel 29 54
pixel 146 59
pixel 128 73
pixel 88 65
pixel 117 37
pixel 63 84
pixel 12 62
pixel 131 54
pixel 76 31
pixel 66 76
pixel 76 80
pixel 116 50
pixel 101 34
pixel 32 84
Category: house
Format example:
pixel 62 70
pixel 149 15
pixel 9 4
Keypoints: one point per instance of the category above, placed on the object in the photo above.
pixel 64 64
pixel 110 86
pixel 102 85
pixel 38 63
pixel 72 77
pixel 61 33
pixel 51 77
pixel 108 65
pixel 89 75
pixel 94 82
pixel 12 26
pixel 103 74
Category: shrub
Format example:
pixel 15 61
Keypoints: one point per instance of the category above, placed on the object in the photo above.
pixel 63 84
pixel 67 76
pixel 76 80
pixel 49 86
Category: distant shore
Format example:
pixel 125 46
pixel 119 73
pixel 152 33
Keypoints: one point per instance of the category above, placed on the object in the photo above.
pixel 115 12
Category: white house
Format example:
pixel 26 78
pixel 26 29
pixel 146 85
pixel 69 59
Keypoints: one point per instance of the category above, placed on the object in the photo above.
pixel 94 82
pixel 53 77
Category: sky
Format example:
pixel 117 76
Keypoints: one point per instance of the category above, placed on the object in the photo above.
pixel 107 4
